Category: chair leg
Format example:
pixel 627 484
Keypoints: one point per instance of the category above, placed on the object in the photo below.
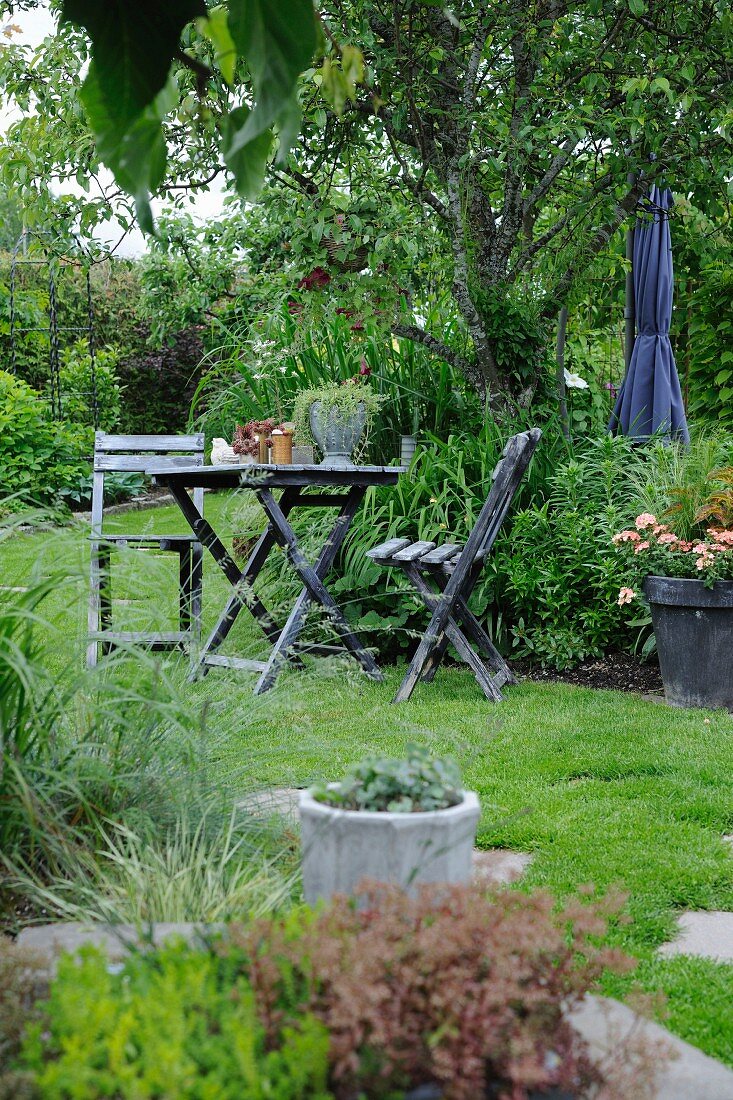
pixel 197 584
pixel 105 594
pixel 94 615
pixel 185 579
pixel 434 644
pixel 100 602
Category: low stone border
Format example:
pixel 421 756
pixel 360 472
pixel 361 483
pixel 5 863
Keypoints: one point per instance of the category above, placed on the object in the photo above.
pixel 139 504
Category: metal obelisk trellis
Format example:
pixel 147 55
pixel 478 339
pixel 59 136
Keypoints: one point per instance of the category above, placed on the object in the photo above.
pixel 42 257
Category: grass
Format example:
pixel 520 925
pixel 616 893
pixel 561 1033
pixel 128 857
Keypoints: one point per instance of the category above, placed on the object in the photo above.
pixel 600 786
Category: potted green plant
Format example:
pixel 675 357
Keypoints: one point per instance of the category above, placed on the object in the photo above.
pixel 402 821
pixel 335 417
pixel 688 584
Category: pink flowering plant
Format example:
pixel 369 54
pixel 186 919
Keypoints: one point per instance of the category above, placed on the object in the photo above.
pixel 652 547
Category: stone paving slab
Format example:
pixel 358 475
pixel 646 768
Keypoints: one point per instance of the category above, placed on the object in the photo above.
pixel 50 940
pixel 279 800
pixel 499 866
pixel 685 1074
pixel 709 934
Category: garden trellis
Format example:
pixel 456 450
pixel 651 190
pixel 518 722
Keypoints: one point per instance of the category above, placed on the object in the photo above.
pixel 31 250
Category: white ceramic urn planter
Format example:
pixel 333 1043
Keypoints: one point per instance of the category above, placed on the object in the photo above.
pixel 342 847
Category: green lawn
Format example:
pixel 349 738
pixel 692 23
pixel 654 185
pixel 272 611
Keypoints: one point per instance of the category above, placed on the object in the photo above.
pixel 601 787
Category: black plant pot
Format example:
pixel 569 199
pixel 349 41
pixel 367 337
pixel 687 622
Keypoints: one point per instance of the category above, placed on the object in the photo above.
pixel 693 626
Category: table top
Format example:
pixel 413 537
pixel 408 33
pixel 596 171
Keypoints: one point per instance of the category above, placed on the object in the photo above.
pixel 254 475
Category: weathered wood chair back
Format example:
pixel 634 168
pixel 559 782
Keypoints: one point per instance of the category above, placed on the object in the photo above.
pixel 137 454
pixel 505 480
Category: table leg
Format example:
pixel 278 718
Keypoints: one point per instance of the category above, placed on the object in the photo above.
pixel 314 589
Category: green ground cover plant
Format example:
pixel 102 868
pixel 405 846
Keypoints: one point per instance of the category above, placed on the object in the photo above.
pixel 177 1024
pixel 416 782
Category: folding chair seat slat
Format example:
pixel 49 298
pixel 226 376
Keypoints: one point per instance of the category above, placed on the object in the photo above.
pixel 385 550
pixel 441 554
pixel 152 540
pixel 414 551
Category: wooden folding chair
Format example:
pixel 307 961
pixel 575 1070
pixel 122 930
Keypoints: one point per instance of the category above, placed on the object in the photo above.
pixel 124 454
pixel 445 576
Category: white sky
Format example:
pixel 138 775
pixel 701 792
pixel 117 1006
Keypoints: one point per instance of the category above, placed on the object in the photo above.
pixel 35 26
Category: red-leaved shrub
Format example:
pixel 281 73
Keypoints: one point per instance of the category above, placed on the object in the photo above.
pixel 457 988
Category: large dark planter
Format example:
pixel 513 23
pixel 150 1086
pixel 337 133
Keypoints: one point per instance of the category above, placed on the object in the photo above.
pixel 693 626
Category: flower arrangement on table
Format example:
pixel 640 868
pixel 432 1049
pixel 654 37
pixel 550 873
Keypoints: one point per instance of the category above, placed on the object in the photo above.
pixel 342 404
pixel 653 548
pixel 253 439
pixel 247 436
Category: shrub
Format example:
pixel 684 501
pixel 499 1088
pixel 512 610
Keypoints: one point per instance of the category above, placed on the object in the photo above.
pixel 21 984
pixel 173 1024
pixel 419 782
pixel 711 348
pixel 42 461
pixel 158 384
pixel 78 392
pixel 556 575
pixel 455 987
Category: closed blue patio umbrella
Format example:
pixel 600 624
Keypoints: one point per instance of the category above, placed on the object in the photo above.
pixel 650 400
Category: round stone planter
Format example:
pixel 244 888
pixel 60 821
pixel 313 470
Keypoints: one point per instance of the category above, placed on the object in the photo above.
pixel 342 847
pixel 337 435
pixel 693 626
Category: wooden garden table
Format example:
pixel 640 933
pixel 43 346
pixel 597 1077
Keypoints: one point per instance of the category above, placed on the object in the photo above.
pixel 297 484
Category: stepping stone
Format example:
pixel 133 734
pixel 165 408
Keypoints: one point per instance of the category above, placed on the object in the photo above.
pixel 49 940
pixel 709 934
pixel 280 800
pixel 728 839
pixel 683 1073
pixel 499 866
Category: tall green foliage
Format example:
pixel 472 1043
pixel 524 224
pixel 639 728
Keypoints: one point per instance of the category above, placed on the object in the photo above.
pixel 260 370
pixel 711 348
pixel 42 461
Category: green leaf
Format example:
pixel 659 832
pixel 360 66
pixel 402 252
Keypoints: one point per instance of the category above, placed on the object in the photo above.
pixel 216 29
pixel 136 154
pixel 277 42
pixel 246 159
pixel 132 46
